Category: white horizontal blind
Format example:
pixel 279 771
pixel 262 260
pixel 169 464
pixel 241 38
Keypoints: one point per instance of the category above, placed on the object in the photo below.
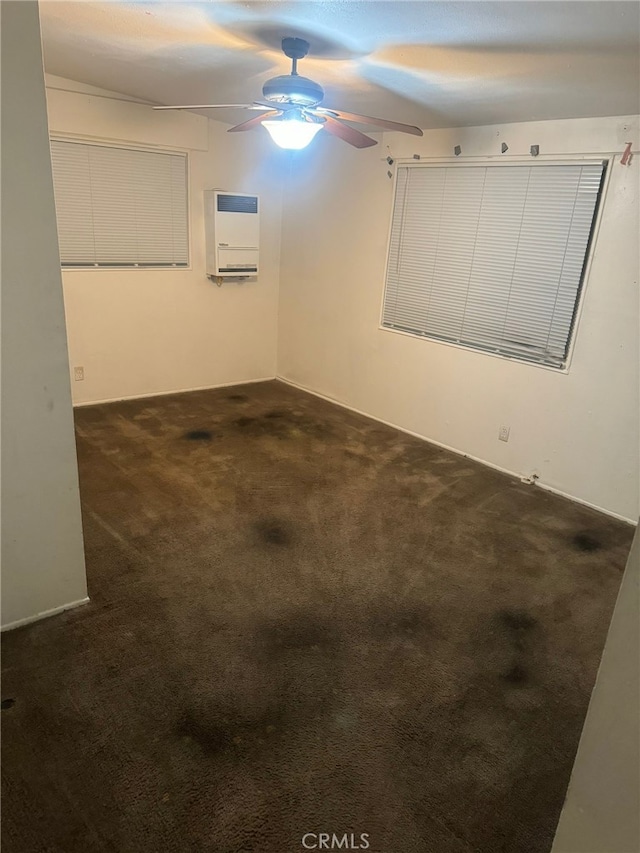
pixel 491 257
pixel 118 207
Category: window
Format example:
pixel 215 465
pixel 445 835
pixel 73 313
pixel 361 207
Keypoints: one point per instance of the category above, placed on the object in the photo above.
pixel 491 257
pixel 119 207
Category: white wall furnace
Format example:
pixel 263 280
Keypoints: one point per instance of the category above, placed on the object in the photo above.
pixel 232 227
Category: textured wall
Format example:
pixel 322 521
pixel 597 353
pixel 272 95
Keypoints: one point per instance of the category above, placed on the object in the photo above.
pixel 42 552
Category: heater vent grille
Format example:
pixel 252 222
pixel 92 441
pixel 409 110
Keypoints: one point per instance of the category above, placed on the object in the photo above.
pixel 237 203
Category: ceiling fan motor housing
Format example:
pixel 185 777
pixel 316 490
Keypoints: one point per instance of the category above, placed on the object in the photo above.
pixel 295 48
pixel 293 89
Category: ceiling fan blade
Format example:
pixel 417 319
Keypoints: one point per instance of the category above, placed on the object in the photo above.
pixel 277 105
pixel 346 133
pixel 380 122
pixel 215 107
pixel 254 122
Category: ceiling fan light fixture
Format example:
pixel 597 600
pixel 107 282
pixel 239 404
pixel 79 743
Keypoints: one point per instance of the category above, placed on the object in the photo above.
pixel 296 100
pixel 293 133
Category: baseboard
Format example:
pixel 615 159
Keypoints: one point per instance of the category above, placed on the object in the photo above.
pixel 632 521
pixel 175 391
pixel 458 452
pixel 44 615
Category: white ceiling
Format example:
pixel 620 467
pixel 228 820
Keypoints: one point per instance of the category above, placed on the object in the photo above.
pixel 434 64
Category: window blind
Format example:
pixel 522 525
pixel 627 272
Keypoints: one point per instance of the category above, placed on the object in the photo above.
pixel 492 256
pixel 119 207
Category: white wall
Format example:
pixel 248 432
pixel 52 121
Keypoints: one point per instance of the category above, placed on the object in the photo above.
pixel 141 332
pixel 42 554
pixel 600 812
pixel 577 431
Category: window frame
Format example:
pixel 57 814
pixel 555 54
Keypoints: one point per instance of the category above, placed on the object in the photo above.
pixel 144 147
pixel 514 160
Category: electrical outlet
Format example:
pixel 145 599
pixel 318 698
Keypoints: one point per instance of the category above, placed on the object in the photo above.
pixel 503 433
pixel 78 374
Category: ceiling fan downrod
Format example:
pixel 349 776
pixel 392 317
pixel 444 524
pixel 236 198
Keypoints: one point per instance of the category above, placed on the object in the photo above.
pixel 293 89
pixel 295 49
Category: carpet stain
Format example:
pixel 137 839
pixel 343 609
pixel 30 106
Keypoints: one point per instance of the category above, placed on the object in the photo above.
pixel 244 422
pixel 273 532
pixel 210 738
pixel 518 621
pixel 262 426
pixel 231 731
pixel 517 675
pixel 237 398
pixel 198 435
pixel 586 542
pixel 7 703
pixel 519 626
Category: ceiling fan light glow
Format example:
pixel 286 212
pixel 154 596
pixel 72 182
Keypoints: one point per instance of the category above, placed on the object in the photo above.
pixel 292 133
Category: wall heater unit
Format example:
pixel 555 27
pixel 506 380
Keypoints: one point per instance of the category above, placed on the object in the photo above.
pixel 232 225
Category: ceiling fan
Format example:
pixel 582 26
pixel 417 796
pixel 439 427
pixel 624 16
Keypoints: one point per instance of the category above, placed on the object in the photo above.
pixel 291 110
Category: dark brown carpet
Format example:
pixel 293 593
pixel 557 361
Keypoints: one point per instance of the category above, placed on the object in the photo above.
pixel 303 621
